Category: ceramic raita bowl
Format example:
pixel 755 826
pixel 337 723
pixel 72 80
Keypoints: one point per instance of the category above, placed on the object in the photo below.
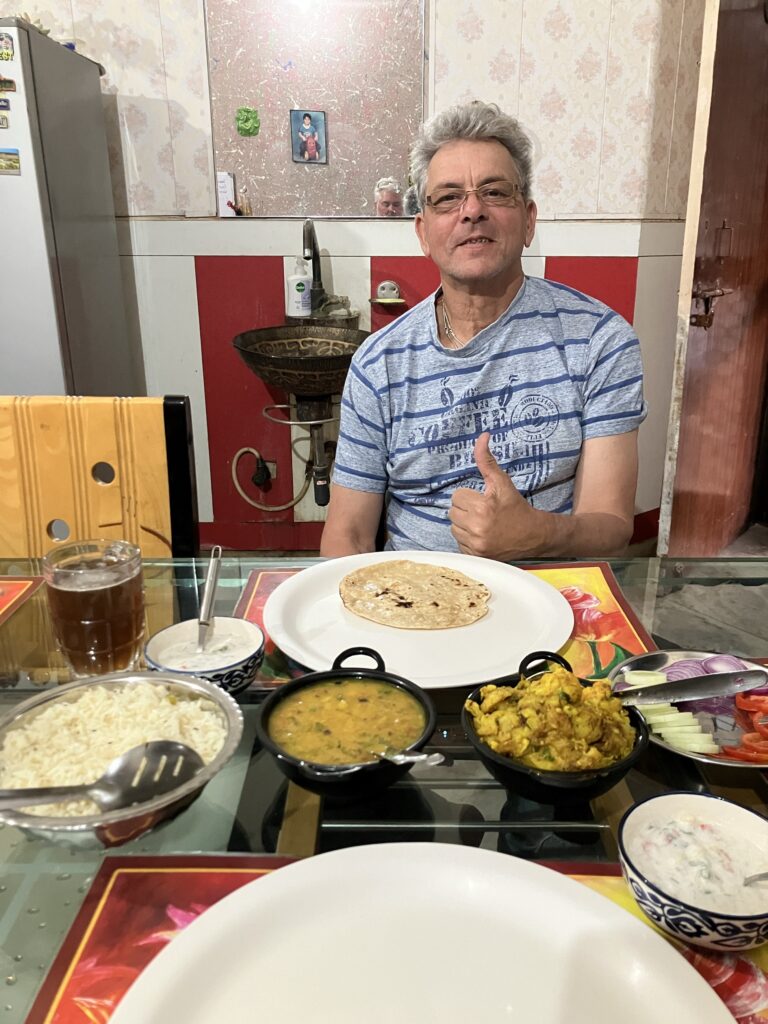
pixel 231 658
pixel 675 850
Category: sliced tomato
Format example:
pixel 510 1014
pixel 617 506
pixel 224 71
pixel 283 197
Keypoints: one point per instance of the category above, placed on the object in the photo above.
pixel 752 702
pixel 740 754
pixel 755 742
pixel 760 722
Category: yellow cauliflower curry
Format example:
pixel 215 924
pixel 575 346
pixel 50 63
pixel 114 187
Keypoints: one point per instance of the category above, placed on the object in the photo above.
pixel 553 723
pixel 346 721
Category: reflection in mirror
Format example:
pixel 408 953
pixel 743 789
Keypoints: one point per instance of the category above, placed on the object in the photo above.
pixel 314 102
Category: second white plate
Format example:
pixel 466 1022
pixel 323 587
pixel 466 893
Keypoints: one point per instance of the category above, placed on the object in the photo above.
pixel 308 621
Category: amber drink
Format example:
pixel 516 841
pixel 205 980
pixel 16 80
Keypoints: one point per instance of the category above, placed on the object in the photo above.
pixel 96 601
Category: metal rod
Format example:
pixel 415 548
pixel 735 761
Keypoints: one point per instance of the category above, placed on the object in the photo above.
pixel 293 423
pixel 470 826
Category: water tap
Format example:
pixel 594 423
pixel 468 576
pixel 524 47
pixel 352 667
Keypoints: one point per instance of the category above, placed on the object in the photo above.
pixel 312 252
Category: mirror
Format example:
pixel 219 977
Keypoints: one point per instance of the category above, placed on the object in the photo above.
pixel 315 101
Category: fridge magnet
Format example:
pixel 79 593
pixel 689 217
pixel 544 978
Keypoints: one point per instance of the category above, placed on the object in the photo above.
pixel 5 104
pixel 7 84
pixel 3 120
pixel 9 161
pixel 247 121
pixel 308 141
pixel 6 46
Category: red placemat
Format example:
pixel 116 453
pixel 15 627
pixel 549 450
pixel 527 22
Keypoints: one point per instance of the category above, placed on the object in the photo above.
pixel 133 909
pixel 136 905
pixel 14 591
pixel 606 630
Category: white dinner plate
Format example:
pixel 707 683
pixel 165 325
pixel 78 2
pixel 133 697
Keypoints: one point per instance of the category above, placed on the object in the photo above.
pixel 308 621
pixel 416 933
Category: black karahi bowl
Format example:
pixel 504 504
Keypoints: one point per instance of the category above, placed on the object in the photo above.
pixel 343 782
pixel 555 787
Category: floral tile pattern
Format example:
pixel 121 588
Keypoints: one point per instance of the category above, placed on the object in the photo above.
pixel 607 89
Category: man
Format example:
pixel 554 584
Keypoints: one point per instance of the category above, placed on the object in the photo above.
pixel 388 198
pixel 499 417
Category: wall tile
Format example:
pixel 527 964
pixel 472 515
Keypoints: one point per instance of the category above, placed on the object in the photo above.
pixel 562 91
pixel 186 77
pixel 640 98
pixel 478 52
pixel 54 15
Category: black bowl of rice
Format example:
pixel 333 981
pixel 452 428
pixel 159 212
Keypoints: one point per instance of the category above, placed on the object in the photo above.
pixel 69 735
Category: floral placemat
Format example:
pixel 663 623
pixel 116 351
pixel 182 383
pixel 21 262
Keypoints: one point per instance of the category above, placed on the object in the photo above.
pixel 136 905
pixel 14 591
pixel 606 630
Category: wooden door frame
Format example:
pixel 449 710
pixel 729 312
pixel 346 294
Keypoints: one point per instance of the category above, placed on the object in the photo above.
pixel 690 240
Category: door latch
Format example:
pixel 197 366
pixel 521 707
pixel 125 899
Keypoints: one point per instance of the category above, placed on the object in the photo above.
pixel 708 297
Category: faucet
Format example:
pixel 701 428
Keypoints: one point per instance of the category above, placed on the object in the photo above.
pixel 312 252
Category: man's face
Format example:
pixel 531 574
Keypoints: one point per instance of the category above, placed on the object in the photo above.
pixel 475 242
pixel 389 204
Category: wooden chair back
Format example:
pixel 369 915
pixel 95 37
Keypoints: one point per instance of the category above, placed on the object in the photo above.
pixel 74 468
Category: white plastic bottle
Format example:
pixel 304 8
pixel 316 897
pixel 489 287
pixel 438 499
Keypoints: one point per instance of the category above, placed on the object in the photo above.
pixel 298 298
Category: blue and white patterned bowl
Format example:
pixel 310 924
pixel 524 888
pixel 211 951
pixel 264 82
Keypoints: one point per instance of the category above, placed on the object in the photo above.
pixel 685 922
pixel 232 676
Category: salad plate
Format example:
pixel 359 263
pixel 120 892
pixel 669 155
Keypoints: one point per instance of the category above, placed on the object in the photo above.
pixel 728 720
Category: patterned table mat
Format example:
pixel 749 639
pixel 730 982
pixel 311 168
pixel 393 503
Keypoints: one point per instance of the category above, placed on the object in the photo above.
pixel 606 630
pixel 136 905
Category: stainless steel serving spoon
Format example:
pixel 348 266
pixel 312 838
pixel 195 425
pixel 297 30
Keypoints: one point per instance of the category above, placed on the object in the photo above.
pixel 209 592
pixel 761 876
pixel 138 775
pixel 403 757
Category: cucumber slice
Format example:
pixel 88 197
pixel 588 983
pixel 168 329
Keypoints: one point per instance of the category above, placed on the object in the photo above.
pixel 668 717
pixel 640 677
pixel 694 745
pixel 686 727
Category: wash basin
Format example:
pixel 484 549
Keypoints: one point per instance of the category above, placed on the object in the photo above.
pixel 305 359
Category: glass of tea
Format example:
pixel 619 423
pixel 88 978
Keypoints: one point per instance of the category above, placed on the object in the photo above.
pixel 96 600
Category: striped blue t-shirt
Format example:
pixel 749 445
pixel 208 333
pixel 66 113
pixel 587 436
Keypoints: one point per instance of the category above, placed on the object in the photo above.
pixel 556 368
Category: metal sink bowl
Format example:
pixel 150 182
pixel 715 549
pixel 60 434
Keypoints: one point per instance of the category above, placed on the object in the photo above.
pixel 305 359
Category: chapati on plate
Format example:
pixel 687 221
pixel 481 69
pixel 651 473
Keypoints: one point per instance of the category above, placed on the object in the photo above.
pixel 414 595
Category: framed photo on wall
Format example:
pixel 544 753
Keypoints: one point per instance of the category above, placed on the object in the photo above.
pixel 308 137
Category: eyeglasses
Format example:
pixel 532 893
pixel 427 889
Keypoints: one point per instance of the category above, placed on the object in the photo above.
pixel 495 193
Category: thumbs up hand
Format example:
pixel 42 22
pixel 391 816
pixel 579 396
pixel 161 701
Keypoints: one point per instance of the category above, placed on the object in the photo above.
pixel 496 522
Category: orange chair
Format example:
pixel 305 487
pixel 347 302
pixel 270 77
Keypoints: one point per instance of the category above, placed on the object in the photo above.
pixel 73 468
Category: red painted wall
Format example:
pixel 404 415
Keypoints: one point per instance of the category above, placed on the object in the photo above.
pixel 416 276
pixel 612 279
pixel 235 294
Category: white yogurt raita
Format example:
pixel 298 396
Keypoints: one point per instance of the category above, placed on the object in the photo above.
pixel 701 864
pixel 219 652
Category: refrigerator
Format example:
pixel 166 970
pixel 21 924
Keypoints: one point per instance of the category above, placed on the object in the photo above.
pixel 63 316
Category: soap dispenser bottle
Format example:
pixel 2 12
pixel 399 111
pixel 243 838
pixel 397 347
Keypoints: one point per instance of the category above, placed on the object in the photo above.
pixel 298 297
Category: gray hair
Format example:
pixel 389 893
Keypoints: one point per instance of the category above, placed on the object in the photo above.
pixel 475 120
pixel 386 185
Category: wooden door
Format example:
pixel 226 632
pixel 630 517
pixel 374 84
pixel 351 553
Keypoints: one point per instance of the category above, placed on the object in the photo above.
pixel 712 470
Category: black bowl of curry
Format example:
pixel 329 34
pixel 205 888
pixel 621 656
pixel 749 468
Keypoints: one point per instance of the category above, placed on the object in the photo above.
pixel 552 737
pixel 328 730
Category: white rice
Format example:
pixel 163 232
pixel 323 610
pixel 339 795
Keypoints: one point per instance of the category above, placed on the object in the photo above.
pixel 72 742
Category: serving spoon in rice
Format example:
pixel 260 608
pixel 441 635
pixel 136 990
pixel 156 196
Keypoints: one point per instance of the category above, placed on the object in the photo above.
pixel 144 772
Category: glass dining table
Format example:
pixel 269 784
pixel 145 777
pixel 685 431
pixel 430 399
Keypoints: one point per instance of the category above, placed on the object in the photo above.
pixel 251 809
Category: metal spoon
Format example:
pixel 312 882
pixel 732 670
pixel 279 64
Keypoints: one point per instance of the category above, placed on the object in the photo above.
pixel 143 772
pixel 403 757
pixel 761 876
pixel 209 591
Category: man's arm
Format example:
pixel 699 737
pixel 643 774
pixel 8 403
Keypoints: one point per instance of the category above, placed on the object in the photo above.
pixel 498 522
pixel 352 522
